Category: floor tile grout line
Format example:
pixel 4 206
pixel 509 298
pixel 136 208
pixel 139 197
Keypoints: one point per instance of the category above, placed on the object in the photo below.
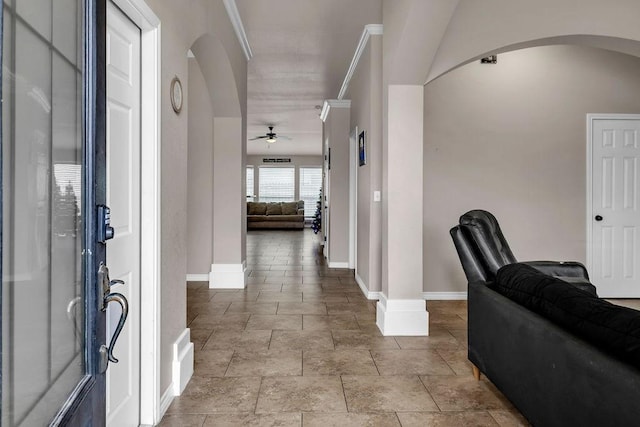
pixel 344 395
pixel 374 362
pixel 229 364
pixel 255 408
pixel 429 393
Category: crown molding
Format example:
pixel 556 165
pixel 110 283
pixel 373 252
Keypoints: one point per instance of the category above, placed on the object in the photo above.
pixel 369 30
pixel 236 21
pixel 333 103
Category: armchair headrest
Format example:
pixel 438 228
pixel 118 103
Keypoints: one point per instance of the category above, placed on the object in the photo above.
pixel 484 234
pixel 469 258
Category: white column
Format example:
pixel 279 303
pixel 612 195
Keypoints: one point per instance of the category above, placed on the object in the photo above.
pixel 402 309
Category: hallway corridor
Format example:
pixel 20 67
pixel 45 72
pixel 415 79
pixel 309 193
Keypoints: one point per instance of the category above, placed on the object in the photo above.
pixel 299 346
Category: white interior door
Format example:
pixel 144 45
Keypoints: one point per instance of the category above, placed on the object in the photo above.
pixel 353 199
pixel 123 197
pixel 325 201
pixel 615 202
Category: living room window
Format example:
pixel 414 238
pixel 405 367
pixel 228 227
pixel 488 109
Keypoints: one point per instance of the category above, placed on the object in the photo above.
pixel 251 191
pixel 276 184
pixel 310 185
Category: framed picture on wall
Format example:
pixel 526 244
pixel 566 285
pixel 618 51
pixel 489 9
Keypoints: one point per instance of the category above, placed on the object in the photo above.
pixel 362 149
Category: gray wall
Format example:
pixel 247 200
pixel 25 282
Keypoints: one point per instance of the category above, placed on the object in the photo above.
pixel 511 138
pixel 365 93
pixel 199 174
pixel 181 27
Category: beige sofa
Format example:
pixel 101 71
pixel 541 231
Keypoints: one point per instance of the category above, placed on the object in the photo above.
pixel 262 215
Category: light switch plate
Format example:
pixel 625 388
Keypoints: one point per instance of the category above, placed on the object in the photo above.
pixel 376 196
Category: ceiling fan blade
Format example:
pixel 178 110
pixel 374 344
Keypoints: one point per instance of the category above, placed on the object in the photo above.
pixel 258 137
pixel 288 138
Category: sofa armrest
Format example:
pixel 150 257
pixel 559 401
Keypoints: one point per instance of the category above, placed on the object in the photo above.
pixel 301 211
pixel 560 268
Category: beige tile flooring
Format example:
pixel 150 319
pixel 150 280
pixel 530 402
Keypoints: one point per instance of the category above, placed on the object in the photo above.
pixel 299 346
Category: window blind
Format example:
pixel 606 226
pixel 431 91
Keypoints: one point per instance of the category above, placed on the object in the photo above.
pixel 277 184
pixel 310 185
pixel 250 184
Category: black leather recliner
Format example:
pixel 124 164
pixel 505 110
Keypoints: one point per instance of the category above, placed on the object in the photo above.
pixel 483 249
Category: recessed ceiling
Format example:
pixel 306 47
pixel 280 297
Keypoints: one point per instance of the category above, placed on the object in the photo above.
pixel 301 52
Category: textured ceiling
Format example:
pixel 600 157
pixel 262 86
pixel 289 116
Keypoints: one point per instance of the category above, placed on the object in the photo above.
pixel 301 52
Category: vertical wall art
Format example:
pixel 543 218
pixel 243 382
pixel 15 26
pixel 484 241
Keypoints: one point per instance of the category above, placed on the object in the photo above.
pixel 362 149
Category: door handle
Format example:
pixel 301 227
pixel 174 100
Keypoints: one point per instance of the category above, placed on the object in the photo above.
pixel 598 218
pixel 122 300
pixel 106 353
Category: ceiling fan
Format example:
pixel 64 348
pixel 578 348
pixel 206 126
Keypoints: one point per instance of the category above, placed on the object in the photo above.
pixel 270 136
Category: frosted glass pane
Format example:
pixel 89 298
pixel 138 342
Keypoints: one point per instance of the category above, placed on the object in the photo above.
pixel 37 14
pixel 65 28
pixel 42 312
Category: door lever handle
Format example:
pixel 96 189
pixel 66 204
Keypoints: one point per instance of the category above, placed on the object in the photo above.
pixel 122 300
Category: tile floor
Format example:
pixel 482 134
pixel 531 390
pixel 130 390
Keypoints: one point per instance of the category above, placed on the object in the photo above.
pixel 299 347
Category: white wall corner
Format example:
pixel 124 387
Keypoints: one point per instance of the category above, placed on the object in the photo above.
pixel 182 364
pixel 444 296
pixel 198 277
pixel 181 370
pixel 333 103
pixel 369 30
pixel 365 290
pixel 166 400
pixel 238 26
pixel 228 276
pixel 402 317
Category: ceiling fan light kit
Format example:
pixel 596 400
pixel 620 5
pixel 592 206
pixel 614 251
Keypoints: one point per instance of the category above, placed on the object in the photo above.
pixel 270 136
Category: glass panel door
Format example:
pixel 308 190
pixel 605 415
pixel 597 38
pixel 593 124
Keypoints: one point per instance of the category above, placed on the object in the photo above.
pixel 47 319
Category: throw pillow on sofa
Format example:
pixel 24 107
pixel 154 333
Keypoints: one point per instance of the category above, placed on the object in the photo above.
pixel 289 208
pixel 274 209
pixel 256 208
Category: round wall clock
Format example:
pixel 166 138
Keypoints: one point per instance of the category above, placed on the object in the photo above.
pixel 176 95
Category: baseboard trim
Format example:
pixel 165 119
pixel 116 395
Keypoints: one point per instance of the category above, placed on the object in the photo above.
pixel 182 365
pixel 198 277
pixel 402 317
pixel 338 264
pixel 166 400
pixel 228 276
pixel 365 291
pixel 444 296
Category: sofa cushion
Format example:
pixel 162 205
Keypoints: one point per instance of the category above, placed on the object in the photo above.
pixel 274 208
pixel 610 327
pixel 289 208
pixel 278 218
pixel 256 208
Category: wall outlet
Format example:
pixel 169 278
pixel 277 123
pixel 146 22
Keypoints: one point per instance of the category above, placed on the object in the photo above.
pixel 376 196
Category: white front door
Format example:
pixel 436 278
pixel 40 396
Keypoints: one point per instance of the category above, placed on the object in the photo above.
pixel 614 217
pixel 123 197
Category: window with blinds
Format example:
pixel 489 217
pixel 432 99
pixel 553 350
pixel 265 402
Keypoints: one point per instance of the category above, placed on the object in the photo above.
pixel 250 184
pixel 310 185
pixel 277 184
